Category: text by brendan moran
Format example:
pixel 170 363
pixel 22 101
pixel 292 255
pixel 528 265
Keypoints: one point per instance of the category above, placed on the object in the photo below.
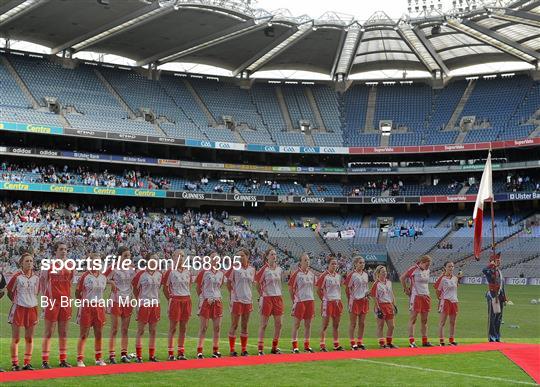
pixel 68 302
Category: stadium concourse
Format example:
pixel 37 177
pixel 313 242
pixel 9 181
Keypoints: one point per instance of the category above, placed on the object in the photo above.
pixel 148 128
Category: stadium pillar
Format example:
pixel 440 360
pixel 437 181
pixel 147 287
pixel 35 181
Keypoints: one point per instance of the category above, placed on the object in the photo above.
pixel 535 75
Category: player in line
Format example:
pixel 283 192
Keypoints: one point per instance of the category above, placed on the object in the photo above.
pixel 176 288
pixel 415 282
pixel 146 284
pixel 120 313
pixel 90 287
pixel 268 280
pixel 22 291
pixel 239 283
pixel 385 306
pixel 301 285
pixel 54 286
pixel 329 291
pixel 446 289
pixel 357 290
pixel 208 288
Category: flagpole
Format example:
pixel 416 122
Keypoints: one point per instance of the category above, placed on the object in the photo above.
pixel 492 226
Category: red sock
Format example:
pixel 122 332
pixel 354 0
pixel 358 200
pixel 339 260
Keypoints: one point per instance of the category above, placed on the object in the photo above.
pixel 199 349
pixel 112 354
pixel 306 344
pixel 424 339
pixel 260 345
pixel 336 344
pixel 275 343
pixel 151 352
pixel 170 351
pixel 27 358
pixel 63 356
pixel 451 339
pixel 123 353
pixel 353 343
pixel 138 350
pixel 411 340
pixel 388 340
pixel 45 356
pixel 80 357
pixel 243 342
pixel 295 344
pixel 215 348
pixel 181 351
pixel 359 341
pixel 441 340
pixel 381 341
pixel 232 342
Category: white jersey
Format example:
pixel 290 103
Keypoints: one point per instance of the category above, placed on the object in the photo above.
pixel 91 287
pixel 302 283
pixel 241 281
pixel 24 289
pixel 178 282
pixel 357 283
pixel 270 281
pixel 447 286
pixel 122 281
pixel 330 285
pixel 419 281
pixel 210 283
pixel 382 292
pixel 148 285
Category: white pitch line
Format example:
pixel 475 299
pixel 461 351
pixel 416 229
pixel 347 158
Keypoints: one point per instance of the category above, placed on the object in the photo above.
pixel 446 372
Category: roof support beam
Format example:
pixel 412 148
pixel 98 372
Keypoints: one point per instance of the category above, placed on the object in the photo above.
pixel 302 31
pixel 206 42
pixel 16 8
pixel 431 49
pixel 348 51
pixel 419 49
pixel 495 40
pixel 520 17
pixel 134 19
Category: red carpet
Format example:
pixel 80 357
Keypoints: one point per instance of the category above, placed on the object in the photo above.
pixel 524 355
pixel 527 359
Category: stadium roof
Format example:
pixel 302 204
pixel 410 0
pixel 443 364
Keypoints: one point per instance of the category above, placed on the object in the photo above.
pixel 233 36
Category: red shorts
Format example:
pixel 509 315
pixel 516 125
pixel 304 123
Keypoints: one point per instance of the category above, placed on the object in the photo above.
pixel 450 308
pixel 387 310
pixel 89 316
pixel 239 308
pixel 211 311
pixel 121 310
pixel 22 316
pixel 360 306
pixel 331 308
pixel 303 310
pixel 179 308
pixel 57 312
pixel 149 314
pixel 272 306
pixel 421 304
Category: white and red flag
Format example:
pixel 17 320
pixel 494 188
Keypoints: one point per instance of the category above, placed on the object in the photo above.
pixel 485 193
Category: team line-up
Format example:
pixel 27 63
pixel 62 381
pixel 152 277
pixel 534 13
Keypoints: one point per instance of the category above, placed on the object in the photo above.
pixel 144 285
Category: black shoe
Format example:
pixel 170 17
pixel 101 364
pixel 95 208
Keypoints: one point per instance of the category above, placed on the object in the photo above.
pixel 362 347
pixel 15 367
pixel 453 343
pixel 138 360
pixel 112 360
pixel 323 349
pixel 233 354
pixel 275 351
pixel 392 346
pixel 201 356
pixel 354 347
pixel 339 348
pixel 244 353
pixel 181 357
pixel 28 367
pixel 296 350
pixel 427 344
pixel 125 359
pixel 442 344
pixel 383 346
pixel 64 364
pixel 45 365
pixel 216 355
pixel 153 359
pixel 413 345
pixel 260 353
pixel 171 358
pixel 309 350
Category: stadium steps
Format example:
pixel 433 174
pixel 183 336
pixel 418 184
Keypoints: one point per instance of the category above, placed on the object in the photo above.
pixel 444 221
pixel 445 238
pixel 26 91
pixel 238 136
pixel 315 109
pixel 159 129
pixel 116 95
pixel 64 121
pixel 463 190
pixel 461 137
pixel 459 108
pixel 201 103
pixel 283 106
pixel 366 221
pixel 309 139
pixel 535 133
pixel 382 238
pixel 385 140
pixel 370 113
